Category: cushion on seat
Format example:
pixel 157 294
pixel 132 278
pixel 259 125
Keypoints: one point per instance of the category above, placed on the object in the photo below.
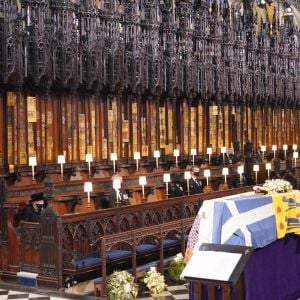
pixel 27 281
pixel 142 248
pixel 169 242
pixel 87 262
pixel 98 280
pixel 118 254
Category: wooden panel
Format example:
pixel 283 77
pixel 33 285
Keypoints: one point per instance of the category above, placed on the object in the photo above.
pixel 220 138
pixel 258 126
pixel 249 124
pixel 74 125
pixel 82 136
pixel 69 139
pixel 104 129
pixel 50 125
pixel 185 133
pixel 213 127
pixel 21 125
pixel 193 132
pixel 226 126
pixel 63 127
pixel 145 150
pixel 162 127
pixel 11 125
pixel 200 128
pixel 153 122
pixel 170 129
pixel 50 131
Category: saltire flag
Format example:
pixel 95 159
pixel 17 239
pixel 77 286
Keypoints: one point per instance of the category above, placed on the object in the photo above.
pixel 235 220
pixel 244 221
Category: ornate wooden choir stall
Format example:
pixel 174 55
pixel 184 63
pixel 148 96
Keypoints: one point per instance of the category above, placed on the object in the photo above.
pixel 114 78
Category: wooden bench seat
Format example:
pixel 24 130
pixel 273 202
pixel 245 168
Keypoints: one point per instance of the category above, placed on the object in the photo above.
pixel 134 239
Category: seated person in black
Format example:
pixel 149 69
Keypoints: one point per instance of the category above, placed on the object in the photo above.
pixel 123 197
pixel 32 211
pixel 176 189
pixel 195 185
pixel 118 197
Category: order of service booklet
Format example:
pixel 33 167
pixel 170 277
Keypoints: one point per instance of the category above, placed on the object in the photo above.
pixel 211 265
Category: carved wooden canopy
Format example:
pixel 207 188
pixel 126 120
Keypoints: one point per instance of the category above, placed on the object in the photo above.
pixel 218 50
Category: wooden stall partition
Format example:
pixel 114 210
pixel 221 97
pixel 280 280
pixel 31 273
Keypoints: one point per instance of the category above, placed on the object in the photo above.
pixel 10 251
pixel 30 246
pixel 50 274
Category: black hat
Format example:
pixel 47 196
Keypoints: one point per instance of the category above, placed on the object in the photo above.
pixel 37 196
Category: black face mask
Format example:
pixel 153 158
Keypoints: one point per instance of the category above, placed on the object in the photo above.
pixel 39 207
pixel 197 173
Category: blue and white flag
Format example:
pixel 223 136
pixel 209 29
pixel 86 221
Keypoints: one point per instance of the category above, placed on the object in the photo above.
pixel 247 221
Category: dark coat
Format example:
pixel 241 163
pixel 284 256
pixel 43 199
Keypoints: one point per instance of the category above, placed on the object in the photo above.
pixel 112 199
pixel 195 186
pixel 29 214
pixel 176 190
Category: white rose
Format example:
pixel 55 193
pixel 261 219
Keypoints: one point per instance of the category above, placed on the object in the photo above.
pixel 127 287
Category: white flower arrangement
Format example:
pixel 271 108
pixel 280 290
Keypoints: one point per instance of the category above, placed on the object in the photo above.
pixel 277 186
pixel 155 282
pixel 121 285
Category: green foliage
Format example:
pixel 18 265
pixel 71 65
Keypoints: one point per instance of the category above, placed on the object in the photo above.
pixel 175 269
